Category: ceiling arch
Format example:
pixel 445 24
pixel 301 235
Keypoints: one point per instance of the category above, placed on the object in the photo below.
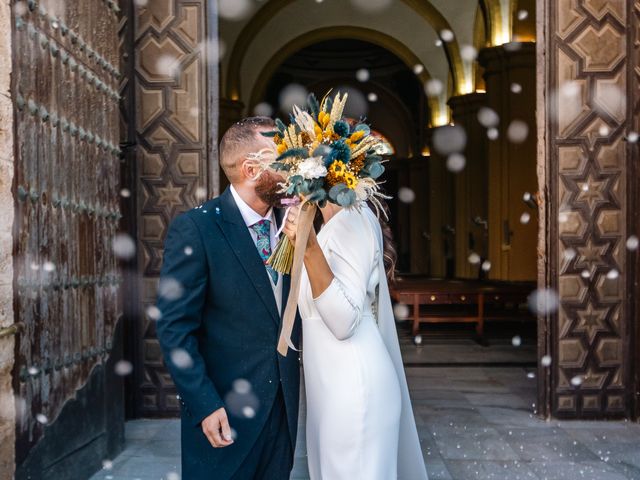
pixel 425 9
pixel 375 37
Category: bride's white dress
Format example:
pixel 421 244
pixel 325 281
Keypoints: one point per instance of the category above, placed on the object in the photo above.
pixel 359 419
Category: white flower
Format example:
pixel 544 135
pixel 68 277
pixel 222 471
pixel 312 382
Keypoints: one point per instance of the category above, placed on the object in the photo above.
pixel 312 167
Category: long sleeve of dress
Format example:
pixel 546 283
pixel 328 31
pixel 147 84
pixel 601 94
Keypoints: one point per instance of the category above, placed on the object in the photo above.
pixel 350 254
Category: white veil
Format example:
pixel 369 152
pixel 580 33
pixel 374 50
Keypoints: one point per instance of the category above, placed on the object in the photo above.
pixel 410 460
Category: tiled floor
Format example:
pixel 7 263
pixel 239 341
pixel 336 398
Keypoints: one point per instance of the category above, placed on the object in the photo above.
pixel 475 422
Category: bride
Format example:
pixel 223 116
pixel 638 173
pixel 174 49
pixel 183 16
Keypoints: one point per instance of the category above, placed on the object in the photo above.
pixel 359 419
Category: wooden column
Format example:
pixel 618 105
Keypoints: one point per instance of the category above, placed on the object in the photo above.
pixel 512 166
pixel 471 186
pixel 441 214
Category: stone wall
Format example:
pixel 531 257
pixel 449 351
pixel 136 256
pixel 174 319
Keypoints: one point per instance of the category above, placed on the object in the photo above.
pixel 7 407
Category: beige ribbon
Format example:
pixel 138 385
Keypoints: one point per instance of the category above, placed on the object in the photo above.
pixel 303 229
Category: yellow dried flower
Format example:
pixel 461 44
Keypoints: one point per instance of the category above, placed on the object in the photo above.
pixel 357 163
pixel 351 180
pixel 337 168
pixel 357 135
pixel 281 148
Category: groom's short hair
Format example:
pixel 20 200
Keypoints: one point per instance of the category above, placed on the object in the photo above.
pixel 238 141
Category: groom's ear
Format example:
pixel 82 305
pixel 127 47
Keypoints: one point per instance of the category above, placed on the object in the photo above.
pixel 247 170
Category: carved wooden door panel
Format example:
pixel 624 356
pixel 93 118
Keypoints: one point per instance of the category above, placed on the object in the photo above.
pixel 175 134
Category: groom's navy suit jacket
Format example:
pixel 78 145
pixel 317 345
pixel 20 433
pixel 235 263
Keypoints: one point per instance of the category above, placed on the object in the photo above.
pixel 227 321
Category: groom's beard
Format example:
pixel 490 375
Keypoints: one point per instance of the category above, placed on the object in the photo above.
pixel 267 189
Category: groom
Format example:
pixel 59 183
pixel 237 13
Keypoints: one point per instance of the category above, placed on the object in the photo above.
pixel 221 310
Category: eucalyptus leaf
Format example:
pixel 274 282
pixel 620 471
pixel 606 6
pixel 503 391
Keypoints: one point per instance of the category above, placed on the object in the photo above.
pixel 363 127
pixel 346 198
pixel 335 190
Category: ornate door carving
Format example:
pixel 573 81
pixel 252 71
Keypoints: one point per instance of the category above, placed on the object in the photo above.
pixel 591 79
pixel 175 90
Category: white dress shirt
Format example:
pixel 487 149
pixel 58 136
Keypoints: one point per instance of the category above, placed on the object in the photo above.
pixel 250 216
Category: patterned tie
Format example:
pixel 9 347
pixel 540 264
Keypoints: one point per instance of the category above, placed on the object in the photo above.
pixel 263 243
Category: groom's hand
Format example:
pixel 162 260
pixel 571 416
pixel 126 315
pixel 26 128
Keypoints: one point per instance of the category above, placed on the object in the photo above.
pixel 216 428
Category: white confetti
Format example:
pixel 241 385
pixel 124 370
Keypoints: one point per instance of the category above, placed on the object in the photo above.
pixel 516 88
pixel 363 75
pixel 543 301
pixel 170 288
pixel 474 258
pixel 153 312
pixel 468 53
pixel 242 386
pixel 372 97
pixel 517 131
pixel 406 195
pixel 446 35
pixel 181 358
pixel 123 368
pixel 234 9
pixel 42 418
pixel 456 162
pixel 632 243
pixel 488 117
pixel 401 311
pixel 263 109
pixel 20 9
pixel 167 65
pixel 433 87
pixel 545 361
pixel 449 139
pixel 516 341
pixel 292 94
pixel 248 412
pixel 371 6
pixel 123 246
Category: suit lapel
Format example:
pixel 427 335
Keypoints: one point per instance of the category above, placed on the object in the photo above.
pixel 239 239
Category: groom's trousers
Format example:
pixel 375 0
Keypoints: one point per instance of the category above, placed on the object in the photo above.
pixel 271 457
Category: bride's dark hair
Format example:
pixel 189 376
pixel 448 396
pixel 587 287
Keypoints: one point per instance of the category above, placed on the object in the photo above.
pixel 388 245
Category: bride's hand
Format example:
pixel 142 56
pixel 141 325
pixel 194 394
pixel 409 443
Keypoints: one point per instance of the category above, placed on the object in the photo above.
pixel 291 224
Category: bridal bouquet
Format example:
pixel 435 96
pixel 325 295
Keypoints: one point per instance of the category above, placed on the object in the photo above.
pixel 324 157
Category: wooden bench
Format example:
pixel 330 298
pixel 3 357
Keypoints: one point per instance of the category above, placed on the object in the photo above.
pixel 435 300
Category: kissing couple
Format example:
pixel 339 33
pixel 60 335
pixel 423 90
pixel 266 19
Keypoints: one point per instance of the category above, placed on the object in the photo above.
pixel 219 331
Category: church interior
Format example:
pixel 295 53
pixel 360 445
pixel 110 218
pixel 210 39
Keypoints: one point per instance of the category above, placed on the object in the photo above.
pixel 447 102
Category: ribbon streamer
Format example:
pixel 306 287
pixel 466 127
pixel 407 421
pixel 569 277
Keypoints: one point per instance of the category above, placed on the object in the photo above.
pixel 305 224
